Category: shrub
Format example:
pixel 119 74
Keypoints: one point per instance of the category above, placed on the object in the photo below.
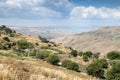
pixel 12 35
pixel 85 58
pixel 22 44
pixel 95 70
pixel 80 53
pixel 1 46
pixel 114 73
pixel 113 55
pixel 70 65
pixel 101 62
pixel 7 30
pixel 43 54
pixel 88 53
pixel 65 63
pixel 6 39
pixel 53 59
pixel 96 55
pixel 43 39
pixel 74 53
pixel 26 54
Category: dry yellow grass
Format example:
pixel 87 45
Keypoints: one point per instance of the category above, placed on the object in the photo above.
pixel 33 69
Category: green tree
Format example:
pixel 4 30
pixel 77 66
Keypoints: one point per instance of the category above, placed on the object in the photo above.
pixel 74 53
pixel 95 70
pixel 70 65
pixel 6 39
pixel 114 72
pixel 85 58
pixel 1 46
pixel 43 54
pixel 53 59
pixel 113 55
pixel 23 44
pixel 101 62
pixel 80 53
pixel 88 53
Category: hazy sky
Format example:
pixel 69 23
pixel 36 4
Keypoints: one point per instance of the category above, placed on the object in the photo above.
pixel 74 15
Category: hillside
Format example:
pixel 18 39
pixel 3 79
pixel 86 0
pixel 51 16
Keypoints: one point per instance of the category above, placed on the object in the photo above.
pixel 102 40
pixel 44 31
pixel 24 57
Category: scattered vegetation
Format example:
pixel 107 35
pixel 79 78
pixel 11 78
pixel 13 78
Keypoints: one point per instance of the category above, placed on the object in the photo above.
pixel 51 53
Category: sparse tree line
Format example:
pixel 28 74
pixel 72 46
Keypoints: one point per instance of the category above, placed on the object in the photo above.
pixel 104 68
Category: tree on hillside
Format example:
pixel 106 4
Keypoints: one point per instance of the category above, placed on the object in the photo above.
pixel 88 53
pixel 74 53
pixel 113 55
pixel 114 72
pixel 70 65
pixel 95 70
pixel 53 59
pixel 102 62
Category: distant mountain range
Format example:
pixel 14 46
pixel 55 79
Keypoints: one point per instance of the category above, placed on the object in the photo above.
pixel 46 32
pixel 102 40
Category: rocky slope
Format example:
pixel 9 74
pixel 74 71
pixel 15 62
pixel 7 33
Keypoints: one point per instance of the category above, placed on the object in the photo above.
pixel 46 32
pixel 102 40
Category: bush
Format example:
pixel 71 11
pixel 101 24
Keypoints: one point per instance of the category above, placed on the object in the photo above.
pixel 1 46
pixel 65 63
pixel 12 35
pixel 114 73
pixel 43 54
pixel 43 39
pixel 53 59
pixel 74 53
pixel 95 70
pixel 85 58
pixel 7 30
pixel 70 65
pixel 80 53
pixel 88 53
pixel 101 62
pixel 22 44
pixel 96 55
pixel 113 55
pixel 6 39
pixel 26 54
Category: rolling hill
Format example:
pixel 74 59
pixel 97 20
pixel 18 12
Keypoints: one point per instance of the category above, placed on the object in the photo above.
pixel 102 40
pixel 44 31
pixel 24 57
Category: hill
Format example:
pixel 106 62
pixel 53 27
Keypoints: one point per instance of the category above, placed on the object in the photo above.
pixel 102 40
pixel 24 57
pixel 44 31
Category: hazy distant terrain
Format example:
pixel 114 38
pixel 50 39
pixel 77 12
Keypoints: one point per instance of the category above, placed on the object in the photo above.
pixel 46 32
pixel 102 40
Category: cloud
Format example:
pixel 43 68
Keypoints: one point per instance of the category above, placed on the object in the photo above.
pixel 93 12
pixel 45 12
pixel 34 8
